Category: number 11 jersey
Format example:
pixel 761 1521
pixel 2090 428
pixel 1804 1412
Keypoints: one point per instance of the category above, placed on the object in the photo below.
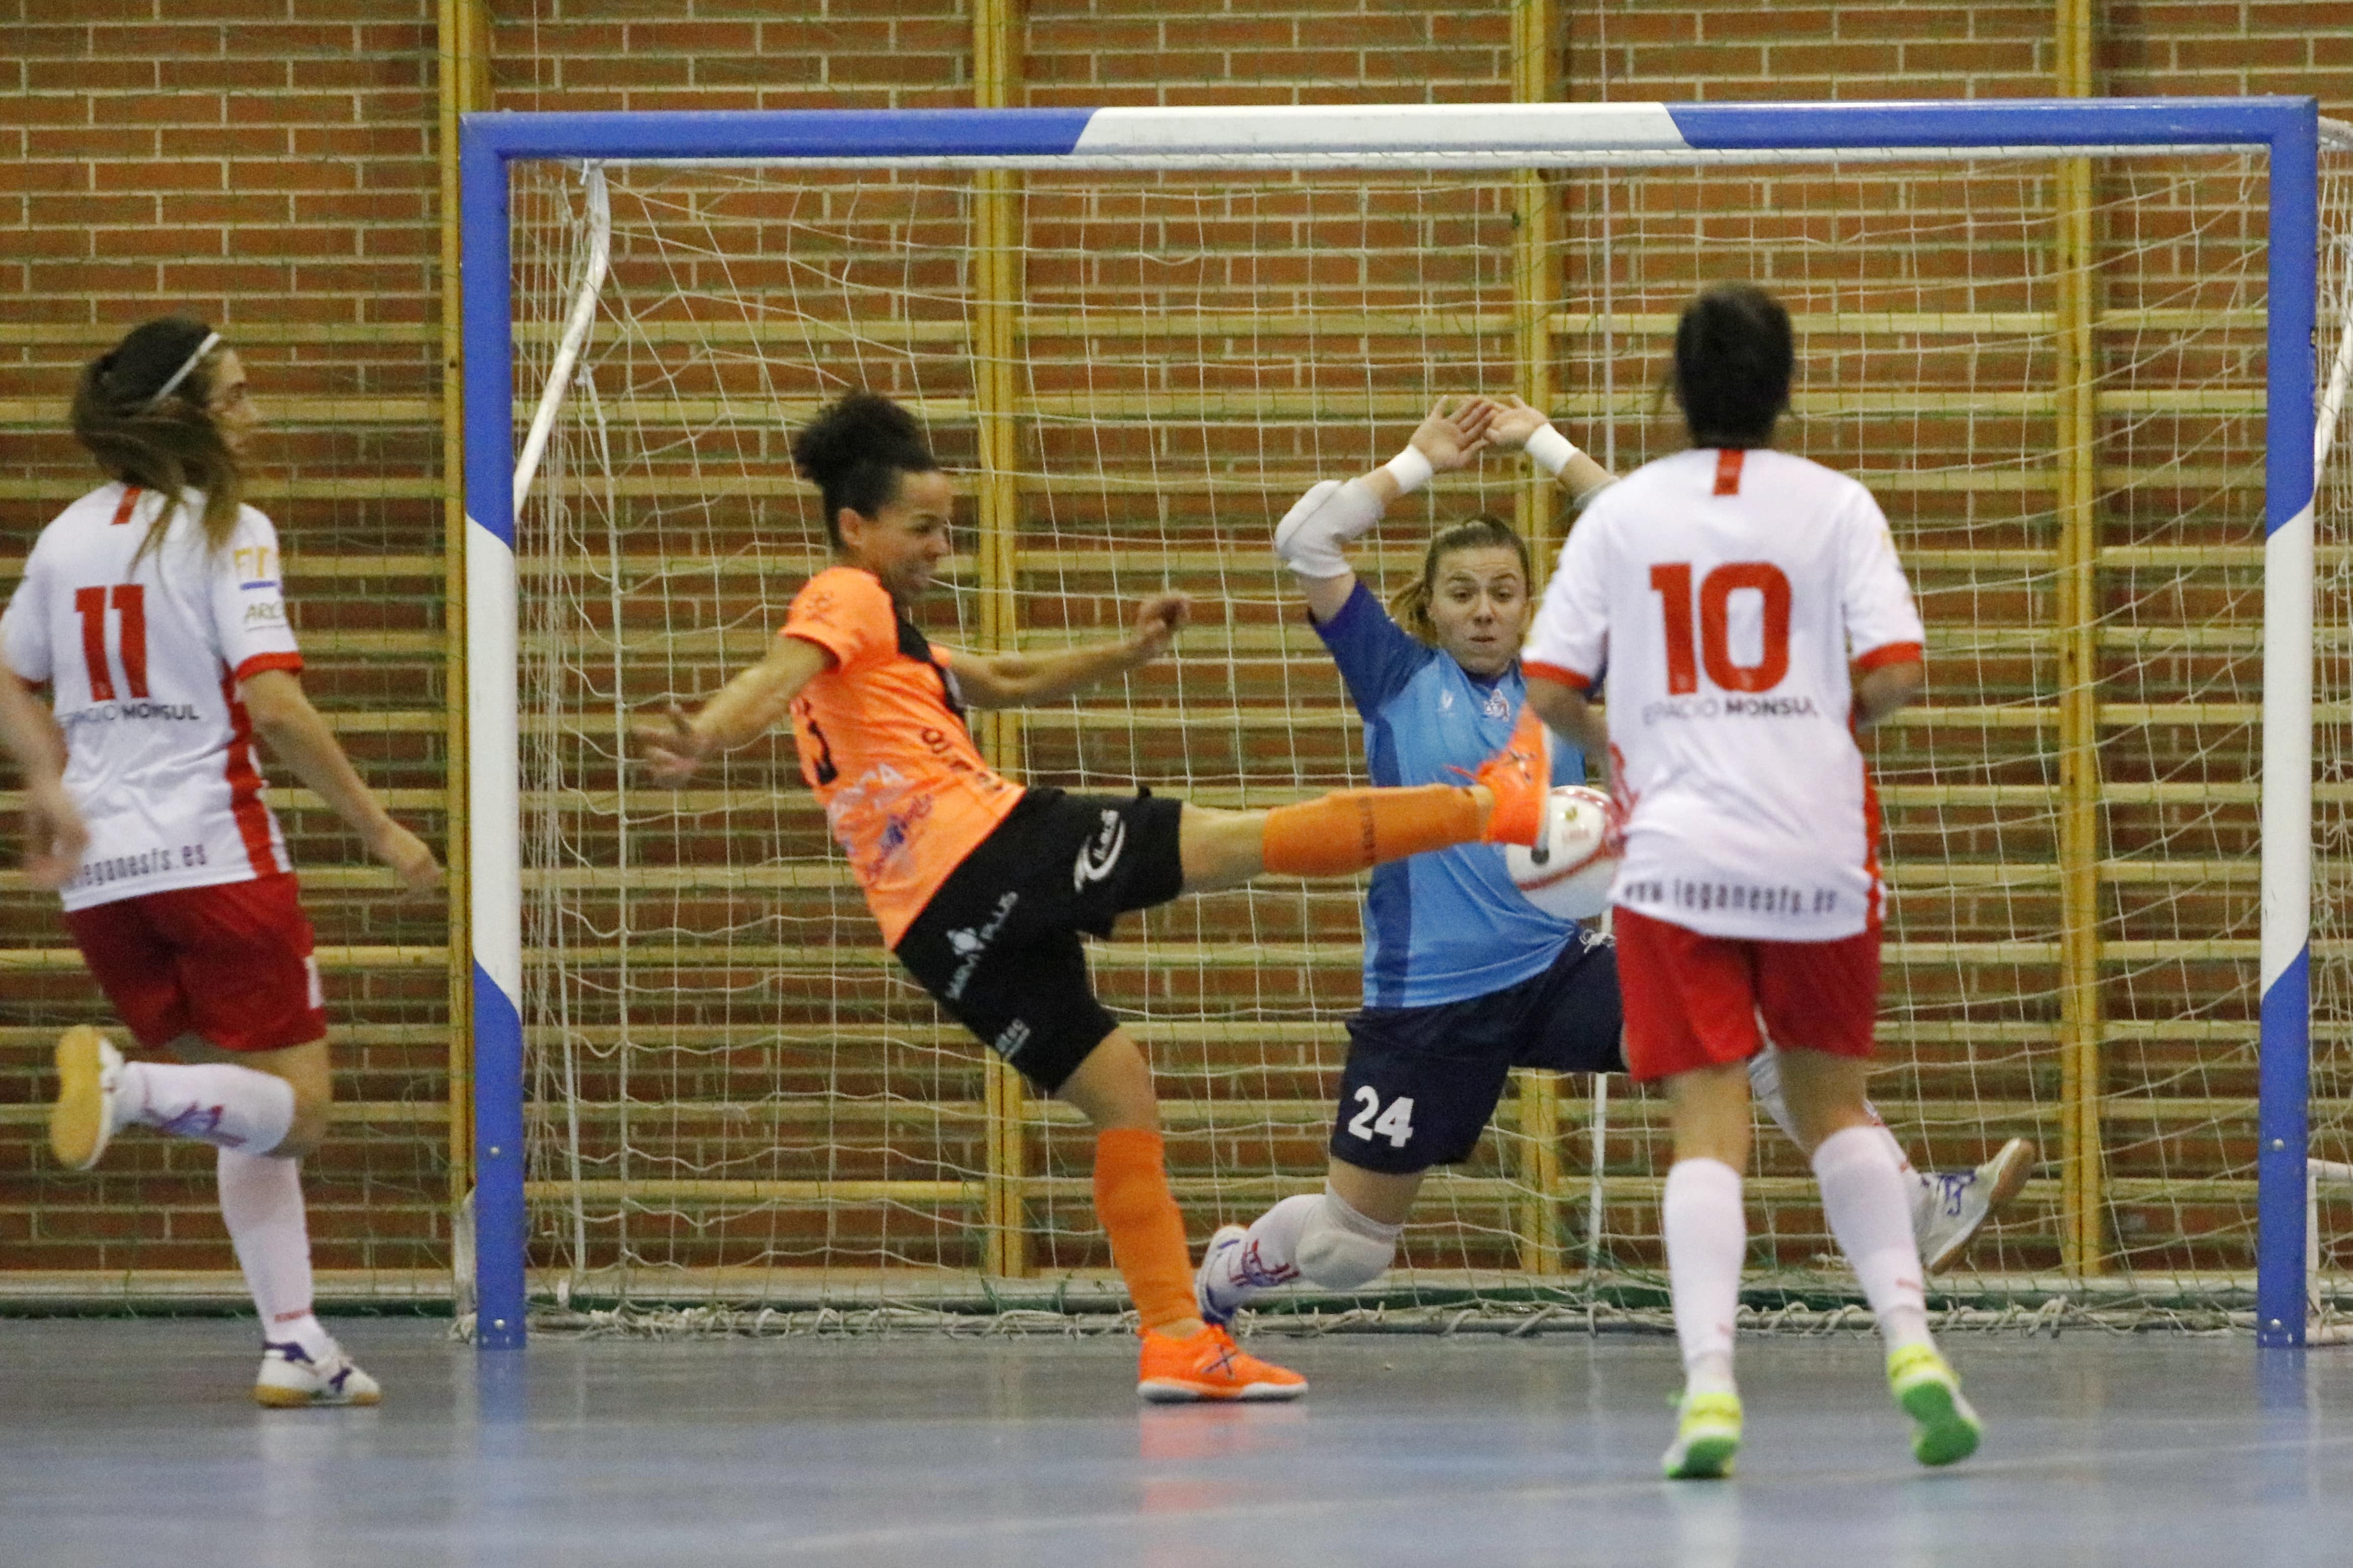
pixel 1726 593
pixel 143 650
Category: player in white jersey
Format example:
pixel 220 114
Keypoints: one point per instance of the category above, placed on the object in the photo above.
pixel 1726 590
pixel 152 609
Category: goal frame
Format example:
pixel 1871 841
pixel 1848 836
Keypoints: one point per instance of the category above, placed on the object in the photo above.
pixel 1489 136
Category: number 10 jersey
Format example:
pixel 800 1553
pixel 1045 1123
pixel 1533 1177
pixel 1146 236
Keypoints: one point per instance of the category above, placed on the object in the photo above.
pixel 1726 593
pixel 143 650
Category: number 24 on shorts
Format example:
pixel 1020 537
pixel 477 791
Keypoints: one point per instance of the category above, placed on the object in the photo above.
pixel 1371 1122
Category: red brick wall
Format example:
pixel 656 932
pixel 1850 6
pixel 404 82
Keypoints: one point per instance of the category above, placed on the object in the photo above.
pixel 267 166
pixel 270 164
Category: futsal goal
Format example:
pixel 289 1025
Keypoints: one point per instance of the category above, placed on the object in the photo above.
pixel 2073 347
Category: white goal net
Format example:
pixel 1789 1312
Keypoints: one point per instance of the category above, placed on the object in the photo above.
pixel 2054 385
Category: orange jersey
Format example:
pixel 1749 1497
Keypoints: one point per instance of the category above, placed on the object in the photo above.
pixel 883 742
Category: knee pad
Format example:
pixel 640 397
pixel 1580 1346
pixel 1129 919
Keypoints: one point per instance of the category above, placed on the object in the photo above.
pixel 1340 1249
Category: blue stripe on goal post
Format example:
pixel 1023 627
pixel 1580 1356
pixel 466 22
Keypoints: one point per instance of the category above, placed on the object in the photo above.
pixel 2286 127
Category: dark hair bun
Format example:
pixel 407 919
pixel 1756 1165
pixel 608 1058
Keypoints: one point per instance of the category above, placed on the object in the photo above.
pixel 855 450
pixel 857 429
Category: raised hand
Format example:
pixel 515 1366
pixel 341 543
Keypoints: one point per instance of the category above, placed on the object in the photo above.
pixel 1451 439
pixel 1512 422
pixel 1158 622
pixel 671 746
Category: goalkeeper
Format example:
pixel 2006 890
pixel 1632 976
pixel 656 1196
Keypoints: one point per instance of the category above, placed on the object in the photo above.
pixel 982 887
pixel 1464 979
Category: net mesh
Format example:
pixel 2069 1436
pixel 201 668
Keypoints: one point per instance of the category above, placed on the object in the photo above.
pixel 734 1098
pixel 2332 697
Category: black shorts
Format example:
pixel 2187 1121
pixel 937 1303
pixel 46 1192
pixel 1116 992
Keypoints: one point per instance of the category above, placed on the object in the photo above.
pixel 1421 1082
pixel 997 947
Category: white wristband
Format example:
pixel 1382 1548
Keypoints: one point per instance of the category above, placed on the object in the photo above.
pixel 1550 451
pixel 1410 469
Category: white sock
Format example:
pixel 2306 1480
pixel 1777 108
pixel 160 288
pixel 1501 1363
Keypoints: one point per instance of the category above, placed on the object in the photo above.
pixel 1707 1240
pixel 219 1103
pixel 1863 1196
pixel 1268 1255
pixel 261 1202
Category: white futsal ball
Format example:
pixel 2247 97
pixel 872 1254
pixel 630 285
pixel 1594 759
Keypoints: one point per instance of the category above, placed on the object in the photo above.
pixel 1567 872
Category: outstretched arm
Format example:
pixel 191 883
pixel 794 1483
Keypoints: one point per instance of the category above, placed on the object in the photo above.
pixel 1024 680
pixel 745 709
pixel 54 834
pixel 283 717
pixel 1519 426
pixel 1309 536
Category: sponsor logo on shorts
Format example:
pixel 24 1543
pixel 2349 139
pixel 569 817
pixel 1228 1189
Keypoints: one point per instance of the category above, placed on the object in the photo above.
pixel 1011 1038
pixel 971 944
pixel 1098 855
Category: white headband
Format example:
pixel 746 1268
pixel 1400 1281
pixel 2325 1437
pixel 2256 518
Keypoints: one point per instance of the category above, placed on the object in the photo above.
pixel 180 374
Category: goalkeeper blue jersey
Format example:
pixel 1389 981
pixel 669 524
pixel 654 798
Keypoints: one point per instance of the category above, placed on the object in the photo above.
pixel 1449 925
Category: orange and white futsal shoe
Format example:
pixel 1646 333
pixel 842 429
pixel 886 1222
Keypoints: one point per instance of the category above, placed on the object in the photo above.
pixel 1211 1366
pixel 1519 776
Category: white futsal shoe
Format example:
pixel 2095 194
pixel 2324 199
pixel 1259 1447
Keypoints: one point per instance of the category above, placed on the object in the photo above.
pixel 291 1378
pixel 1949 1209
pixel 1206 1300
pixel 88 1108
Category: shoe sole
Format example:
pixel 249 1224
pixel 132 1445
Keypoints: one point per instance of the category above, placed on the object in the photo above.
pixel 1706 1458
pixel 2010 1178
pixel 78 1120
pixel 1168 1390
pixel 1941 1435
pixel 295 1399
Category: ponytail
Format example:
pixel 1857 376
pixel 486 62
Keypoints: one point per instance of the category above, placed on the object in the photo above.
pixel 143 410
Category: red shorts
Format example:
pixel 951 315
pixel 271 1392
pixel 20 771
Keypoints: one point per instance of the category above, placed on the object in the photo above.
pixel 231 962
pixel 1695 1001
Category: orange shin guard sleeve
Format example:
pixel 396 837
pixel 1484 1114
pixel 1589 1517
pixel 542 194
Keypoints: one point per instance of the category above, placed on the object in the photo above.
pixel 1147 1234
pixel 1351 829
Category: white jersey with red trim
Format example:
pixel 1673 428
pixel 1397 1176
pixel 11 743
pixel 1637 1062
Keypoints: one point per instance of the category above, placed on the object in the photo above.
pixel 1723 594
pixel 144 656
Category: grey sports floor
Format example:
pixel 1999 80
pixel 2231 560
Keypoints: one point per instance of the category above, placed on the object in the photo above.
pixel 132 1443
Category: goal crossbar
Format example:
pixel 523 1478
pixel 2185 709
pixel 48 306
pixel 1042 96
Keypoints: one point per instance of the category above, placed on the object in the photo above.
pixel 2284 129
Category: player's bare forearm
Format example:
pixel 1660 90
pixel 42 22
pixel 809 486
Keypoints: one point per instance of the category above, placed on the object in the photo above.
pixel 1022 680
pixel 55 836
pixel 1581 476
pixel 295 734
pixel 746 708
pixel 1881 692
pixel 29 732
pixel 1567 711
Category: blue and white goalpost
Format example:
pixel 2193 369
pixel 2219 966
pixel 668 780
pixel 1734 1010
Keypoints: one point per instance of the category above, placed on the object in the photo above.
pixel 2283 130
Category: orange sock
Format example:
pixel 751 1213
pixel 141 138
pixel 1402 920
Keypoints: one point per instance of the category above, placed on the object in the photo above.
pixel 1350 829
pixel 1147 1234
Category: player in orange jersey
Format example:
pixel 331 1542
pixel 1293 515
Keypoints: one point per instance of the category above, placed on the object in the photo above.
pixel 982 887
